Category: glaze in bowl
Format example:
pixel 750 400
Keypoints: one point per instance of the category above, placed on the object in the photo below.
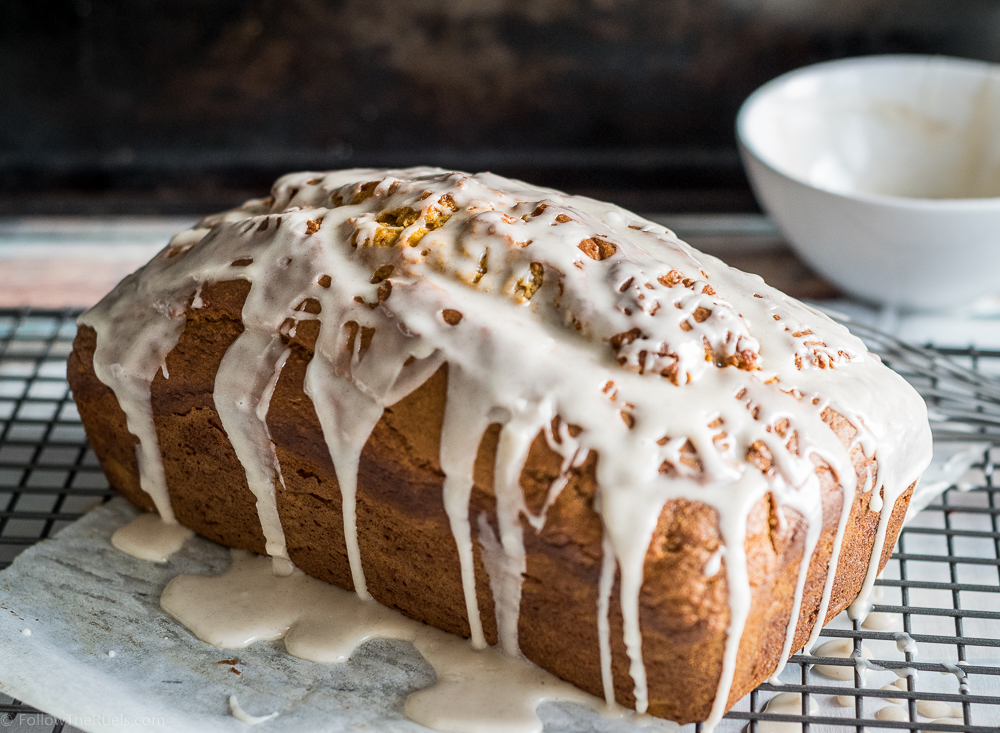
pixel 883 173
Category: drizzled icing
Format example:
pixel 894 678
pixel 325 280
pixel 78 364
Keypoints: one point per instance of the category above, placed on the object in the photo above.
pixel 244 717
pixel 557 315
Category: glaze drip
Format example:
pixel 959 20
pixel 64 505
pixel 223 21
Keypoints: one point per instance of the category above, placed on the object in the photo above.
pixel 688 379
pixel 148 537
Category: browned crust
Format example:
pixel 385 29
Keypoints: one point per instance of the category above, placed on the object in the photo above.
pixel 409 555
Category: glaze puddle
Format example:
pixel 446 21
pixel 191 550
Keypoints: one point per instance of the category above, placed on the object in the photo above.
pixel 148 537
pixel 477 690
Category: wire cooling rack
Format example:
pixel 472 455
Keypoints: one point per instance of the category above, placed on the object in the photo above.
pixel 942 581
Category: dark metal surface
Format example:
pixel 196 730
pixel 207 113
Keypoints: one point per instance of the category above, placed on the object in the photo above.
pixel 185 105
pixel 49 477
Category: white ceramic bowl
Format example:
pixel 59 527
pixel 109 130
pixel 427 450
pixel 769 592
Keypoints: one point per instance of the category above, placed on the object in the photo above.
pixel 884 174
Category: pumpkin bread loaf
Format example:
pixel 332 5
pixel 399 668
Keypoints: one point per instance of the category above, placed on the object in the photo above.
pixel 531 393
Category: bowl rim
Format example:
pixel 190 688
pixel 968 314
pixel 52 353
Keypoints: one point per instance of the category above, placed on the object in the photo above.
pixel 902 202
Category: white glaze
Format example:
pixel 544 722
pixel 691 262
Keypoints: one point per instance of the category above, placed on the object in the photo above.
pixel 714 564
pixel 603 620
pixel 892 712
pixel 892 688
pixel 148 537
pixel 862 605
pixel 126 359
pixel 839 649
pixel 244 717
pixel 25 632
pixel 905 643
pixel 476 690
pixel 879 621
pixel 943 721
pixel 241 385
pixel 863 666
pixel 960 675
pixel 849 491
pixel 935 709
pixel 786 703
pixel 556 302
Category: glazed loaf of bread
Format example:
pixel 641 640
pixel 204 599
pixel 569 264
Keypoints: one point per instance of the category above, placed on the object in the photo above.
pixel 532 419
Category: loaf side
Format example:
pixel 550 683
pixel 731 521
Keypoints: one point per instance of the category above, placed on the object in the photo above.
pixel 407 547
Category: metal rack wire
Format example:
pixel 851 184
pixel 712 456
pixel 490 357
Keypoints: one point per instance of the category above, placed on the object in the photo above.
pixel 942 580
pixel 48 475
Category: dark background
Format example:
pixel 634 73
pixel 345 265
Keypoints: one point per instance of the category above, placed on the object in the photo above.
pixel 191 105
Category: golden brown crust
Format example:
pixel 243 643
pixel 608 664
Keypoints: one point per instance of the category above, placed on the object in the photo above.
pixel 409 555
pixel 105 422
